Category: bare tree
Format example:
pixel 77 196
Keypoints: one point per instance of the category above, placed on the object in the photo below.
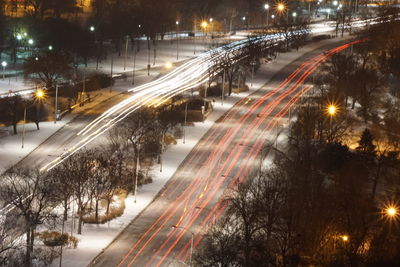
pixel 29 192
pixel 78 170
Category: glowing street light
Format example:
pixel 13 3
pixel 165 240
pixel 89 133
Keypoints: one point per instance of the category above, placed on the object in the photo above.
pixel 272 16
pixel 331 110
pixel 391 211
pixel 177 39
pixel 30 41
pixel 168 65
pixel 280 7
pixel 294 14
pixel 243 18
pixel 266 7
pixel 335 3
pixel 204 25
pixel 50 47
pixel 39 94
pixel 4 64
pixel 345 238
pixel 19 37
pixel 92 28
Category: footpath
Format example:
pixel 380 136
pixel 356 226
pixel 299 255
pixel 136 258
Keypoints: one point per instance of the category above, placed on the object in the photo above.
pixel 95 238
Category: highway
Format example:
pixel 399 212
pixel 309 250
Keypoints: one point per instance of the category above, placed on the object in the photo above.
pixel 226 155
pixel 188 76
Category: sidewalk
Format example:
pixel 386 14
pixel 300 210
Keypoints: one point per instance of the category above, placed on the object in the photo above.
pixel 96 237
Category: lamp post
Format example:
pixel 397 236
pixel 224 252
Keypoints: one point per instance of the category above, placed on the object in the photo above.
pixel 211 20
pixel 184 126
pixel 191 243
pixel 126 50
pixel 331 110
pixel 281 8
pixel 56 106
pixel 177 39
pixel 204 26
pixel 39 94
pixel 4 64
pixel 266 7
pixel 136 175
pixel 134 66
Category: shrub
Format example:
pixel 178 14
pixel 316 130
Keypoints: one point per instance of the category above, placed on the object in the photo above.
pixel 113 213
pixel 52 239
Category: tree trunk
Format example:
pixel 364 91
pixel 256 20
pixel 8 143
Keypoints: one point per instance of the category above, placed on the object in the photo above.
pixel 96 213
pixel 15 128
pixel 28 251
pixel 65 209
pixel 37 125
pixel 80 212
pixel 108 205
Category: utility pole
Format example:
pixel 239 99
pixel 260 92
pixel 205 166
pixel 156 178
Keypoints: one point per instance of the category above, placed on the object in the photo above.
pixel 126 51
pixel 56 106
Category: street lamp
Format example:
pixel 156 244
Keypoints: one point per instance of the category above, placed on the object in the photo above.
pixel 212 25
pixel 168 65
pixel 4 64
pixel 391 211
pixel 177 39
pixel 92 28
pixel 30 41
pixel 266 7
pixel 345 238
pixel 38 96
pixel 191 243
pixel 281 7
pixel 331 110
pixel 50 47
pixel 335 3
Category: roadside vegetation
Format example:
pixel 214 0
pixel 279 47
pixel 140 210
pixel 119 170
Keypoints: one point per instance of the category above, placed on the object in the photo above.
pixel 331 196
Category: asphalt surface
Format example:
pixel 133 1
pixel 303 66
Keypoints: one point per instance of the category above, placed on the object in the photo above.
pixel 228 153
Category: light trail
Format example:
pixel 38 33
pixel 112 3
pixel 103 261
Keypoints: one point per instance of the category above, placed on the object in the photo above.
pixel 142 237
pixel 243 117
pixel 283 112
pixel 260 123
pixel 184 78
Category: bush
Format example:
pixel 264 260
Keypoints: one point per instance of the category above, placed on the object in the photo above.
pixel 113 213
pixel 52 239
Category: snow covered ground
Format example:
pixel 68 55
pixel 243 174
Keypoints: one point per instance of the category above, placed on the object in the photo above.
pixel 95 238
pixel 166 51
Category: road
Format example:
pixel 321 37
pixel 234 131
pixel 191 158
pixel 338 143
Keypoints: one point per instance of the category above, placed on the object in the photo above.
pixel 226 155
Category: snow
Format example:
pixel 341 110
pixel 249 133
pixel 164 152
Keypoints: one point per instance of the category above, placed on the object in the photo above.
pixel 11 151
pixel 95 238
